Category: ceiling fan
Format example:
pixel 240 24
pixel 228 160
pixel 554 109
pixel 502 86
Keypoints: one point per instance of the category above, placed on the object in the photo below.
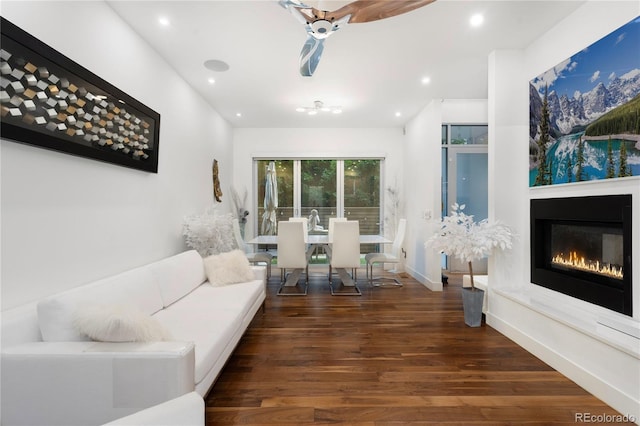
pixel 320 24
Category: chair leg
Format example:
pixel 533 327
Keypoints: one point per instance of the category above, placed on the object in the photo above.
pixel 345 277
pixel 296 274
pixel 382 281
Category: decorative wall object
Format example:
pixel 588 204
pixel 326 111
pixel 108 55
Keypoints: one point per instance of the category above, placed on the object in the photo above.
pixel 50 101
pixel 584 122
pixel 217 192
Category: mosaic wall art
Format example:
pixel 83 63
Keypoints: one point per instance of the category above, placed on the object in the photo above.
pixel 48 100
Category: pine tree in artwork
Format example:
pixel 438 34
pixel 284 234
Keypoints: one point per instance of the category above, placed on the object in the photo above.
pixel 611 168
pixel 580 161
pixel 624 168
pixel 544 175
pixel 569 170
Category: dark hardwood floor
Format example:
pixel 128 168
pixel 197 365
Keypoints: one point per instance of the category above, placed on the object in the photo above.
pixel 392 356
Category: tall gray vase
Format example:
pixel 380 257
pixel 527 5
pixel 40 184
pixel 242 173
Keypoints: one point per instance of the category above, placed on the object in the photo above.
pixel 472 305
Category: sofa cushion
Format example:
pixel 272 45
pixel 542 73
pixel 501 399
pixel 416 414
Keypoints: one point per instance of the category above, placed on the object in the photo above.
pixel 242 296
pixel 136 287
pixel 118 323
pixel 178 275
pixel 209 322
pixel 228 268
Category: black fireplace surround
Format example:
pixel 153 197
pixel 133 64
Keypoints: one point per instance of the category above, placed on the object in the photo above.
pixel 581 246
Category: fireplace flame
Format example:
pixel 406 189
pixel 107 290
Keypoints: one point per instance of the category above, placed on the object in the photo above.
pixel 573 261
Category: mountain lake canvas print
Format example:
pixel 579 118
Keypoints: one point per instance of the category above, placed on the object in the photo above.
pixel 584 113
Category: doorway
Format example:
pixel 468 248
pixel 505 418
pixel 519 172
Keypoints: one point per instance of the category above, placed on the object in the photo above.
pixel 465 166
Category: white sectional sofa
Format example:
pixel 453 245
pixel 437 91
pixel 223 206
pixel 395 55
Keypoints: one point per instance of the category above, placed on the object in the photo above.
pixel 53 375
pixel 185 410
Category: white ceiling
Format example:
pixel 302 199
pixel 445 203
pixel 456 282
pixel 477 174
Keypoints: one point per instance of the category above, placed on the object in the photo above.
pixel 372 70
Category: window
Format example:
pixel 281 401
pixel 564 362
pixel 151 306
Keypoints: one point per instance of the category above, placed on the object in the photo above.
pixel 469 135
pixel 335 188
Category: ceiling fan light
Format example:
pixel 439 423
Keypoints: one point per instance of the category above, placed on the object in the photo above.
pixel 312 112
pixel 321 28
pixel 300 109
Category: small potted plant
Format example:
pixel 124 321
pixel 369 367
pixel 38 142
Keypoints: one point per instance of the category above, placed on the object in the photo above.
pixel 468 240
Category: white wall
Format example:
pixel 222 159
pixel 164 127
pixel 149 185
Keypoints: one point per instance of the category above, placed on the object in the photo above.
pixel 68 220
pixel 248 143
pixel 422 177
pixel 564 332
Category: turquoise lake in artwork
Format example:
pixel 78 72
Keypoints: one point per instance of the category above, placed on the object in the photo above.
pixel 563 153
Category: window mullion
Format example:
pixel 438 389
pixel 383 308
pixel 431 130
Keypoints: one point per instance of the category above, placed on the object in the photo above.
pixel 297 188
pixel 340 189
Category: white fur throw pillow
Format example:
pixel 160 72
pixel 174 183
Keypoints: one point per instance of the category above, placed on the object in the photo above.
pixel 228 268
pixel 118 323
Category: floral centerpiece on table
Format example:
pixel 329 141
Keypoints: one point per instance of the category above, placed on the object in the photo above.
pixel 468 240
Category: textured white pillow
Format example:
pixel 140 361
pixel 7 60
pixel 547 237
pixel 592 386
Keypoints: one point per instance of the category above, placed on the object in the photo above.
pixel 118 323
pixel 228 268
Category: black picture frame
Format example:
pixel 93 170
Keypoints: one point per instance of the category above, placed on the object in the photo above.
pixel 50 101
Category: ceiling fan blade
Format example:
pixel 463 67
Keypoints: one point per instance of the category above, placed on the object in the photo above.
pixel 310 55
pixel 373 10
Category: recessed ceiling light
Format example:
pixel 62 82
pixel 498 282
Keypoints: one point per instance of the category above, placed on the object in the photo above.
pixel 211 80
pixel 216 65
pixel 238 114
pixel 398 114
pixel 476 20
pixel 426 80
pixel 164 21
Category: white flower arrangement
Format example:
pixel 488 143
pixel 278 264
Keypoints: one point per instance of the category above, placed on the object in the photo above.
pixel 468 240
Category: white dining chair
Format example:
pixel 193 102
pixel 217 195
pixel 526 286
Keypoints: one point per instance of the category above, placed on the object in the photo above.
pixel 332 222
pixel 303 220
pixel 253 256
pixel 345 255
pixel 292 254
pixel 394 257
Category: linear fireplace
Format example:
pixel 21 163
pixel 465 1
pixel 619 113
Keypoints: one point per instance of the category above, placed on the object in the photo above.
pixel 581 246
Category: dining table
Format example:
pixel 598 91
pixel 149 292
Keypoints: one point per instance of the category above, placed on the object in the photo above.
pixel 319 240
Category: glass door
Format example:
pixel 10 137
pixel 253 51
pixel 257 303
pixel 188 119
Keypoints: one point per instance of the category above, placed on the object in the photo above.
pixel 361 195
pixel 468 185
pixel 285 183
pixel 318 190
pixel 322 189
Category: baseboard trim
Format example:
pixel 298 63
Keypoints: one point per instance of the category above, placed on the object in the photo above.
pixel 433 286
pixel 620 401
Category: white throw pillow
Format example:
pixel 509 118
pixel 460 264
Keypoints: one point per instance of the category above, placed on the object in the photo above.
pixel 228 268
pixel 118 323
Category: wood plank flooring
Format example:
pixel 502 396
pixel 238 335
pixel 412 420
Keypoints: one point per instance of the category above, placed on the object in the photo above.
pixel 392 356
